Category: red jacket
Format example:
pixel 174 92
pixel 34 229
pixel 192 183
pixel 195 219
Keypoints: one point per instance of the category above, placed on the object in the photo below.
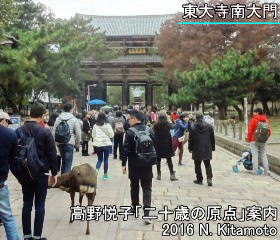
pixel 174 116
pixel 253 126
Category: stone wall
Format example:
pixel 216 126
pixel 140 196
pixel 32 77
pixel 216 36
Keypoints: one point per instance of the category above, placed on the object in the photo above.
pixel 238 148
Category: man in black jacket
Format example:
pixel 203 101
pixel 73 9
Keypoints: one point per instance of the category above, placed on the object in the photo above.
pixel 8 150
pixel 201 145
pixel 37 188
pixel 136 174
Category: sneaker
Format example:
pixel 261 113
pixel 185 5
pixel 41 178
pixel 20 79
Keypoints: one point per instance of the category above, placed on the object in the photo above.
pixel 181 164
pixel 147 221
pixel 115 157
pixel 197 182
pixel 105 176
pixel 209 182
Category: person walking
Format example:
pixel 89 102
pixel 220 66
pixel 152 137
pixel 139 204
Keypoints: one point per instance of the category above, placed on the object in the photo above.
pixel 36 189
pixel 8 150
pixel 181 126
pixel 137 171
pixel 258 134
pixel 201 145
pixel 102 133
pixel 164 145
pixel 86 134
pixel 119 133
pixel 67 132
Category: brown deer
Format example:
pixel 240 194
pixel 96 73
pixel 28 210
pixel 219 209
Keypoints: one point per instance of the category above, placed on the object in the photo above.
pixel 81 179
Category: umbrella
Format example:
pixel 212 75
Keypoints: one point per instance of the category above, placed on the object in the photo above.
pixel 96 102
pixel 106 107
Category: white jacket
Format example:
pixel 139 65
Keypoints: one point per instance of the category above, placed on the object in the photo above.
pixel 102 135
pixel 74 125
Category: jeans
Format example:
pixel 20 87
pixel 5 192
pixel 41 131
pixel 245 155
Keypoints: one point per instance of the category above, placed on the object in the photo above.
pixel 169 162
pixel 258 151
pixel 176 144
pixel 36 189
pixel 118 143
pixel 66 153
pixel 6 215
pixel 103 155
pixel 146 185
pixel 198 172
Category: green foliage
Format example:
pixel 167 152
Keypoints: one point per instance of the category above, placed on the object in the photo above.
pixel 48 56
pixel 224 81
pixel 7 11
pixel 114 95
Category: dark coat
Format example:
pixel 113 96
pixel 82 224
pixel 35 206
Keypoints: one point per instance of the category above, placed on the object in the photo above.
pixel 129 154
pixel 86 125
pixel 86 130
pixel 201 141
pixel 45 145
pixel 163 140
pixel 8 150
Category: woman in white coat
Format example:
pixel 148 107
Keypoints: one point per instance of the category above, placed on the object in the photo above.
pixel 102 133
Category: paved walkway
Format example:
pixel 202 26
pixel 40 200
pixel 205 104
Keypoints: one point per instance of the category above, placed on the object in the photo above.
pixel 240 190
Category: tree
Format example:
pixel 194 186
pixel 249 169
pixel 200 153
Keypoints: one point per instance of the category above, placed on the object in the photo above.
pixel 17 72
pixel 224 81
pixel 7 11
pixel 183 46
pixel 67 43
pixel 48 56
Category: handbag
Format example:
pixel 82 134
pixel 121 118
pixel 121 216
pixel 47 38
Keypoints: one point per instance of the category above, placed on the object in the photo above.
pixel 184 138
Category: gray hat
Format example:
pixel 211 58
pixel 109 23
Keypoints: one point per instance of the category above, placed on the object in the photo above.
pixel 199 116
pixel 37 110
pixel 5 116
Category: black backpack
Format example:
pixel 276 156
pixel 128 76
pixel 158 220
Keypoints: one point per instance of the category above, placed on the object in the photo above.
pixel 145 149
pixel 27 165
pixel 62 132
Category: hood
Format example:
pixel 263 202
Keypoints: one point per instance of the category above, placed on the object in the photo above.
pixel 201 127
pixel 66 116
pixel 119 119
pixel 260 118
pixel 104 126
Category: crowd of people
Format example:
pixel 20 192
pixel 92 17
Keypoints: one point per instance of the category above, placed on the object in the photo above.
pixel 138 139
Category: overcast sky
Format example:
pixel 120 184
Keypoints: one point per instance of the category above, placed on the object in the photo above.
pixel 68 8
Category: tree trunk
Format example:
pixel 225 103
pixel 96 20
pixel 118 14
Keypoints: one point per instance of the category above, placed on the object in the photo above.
pixel 252 107
pixel 240 112
pixel 9 100
pixel 202 105
pixel 222 112
pixel 265 108
pixel 50 105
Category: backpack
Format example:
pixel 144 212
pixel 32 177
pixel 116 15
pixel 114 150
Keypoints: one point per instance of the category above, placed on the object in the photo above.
pixel 145 149
pixel 62 132
pixel 262 132
pixel 27 165
pixel 209 120
pixel 119 128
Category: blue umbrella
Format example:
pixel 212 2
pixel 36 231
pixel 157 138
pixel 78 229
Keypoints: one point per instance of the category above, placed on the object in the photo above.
pixel 96 102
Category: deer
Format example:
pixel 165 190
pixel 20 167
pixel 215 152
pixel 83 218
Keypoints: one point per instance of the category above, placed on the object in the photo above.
pixel 81 179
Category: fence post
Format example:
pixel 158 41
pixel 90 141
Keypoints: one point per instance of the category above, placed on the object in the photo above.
pixel 216 125
pixel 221 126
pixel 234 129
pixel 226 127
pixel 240 131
